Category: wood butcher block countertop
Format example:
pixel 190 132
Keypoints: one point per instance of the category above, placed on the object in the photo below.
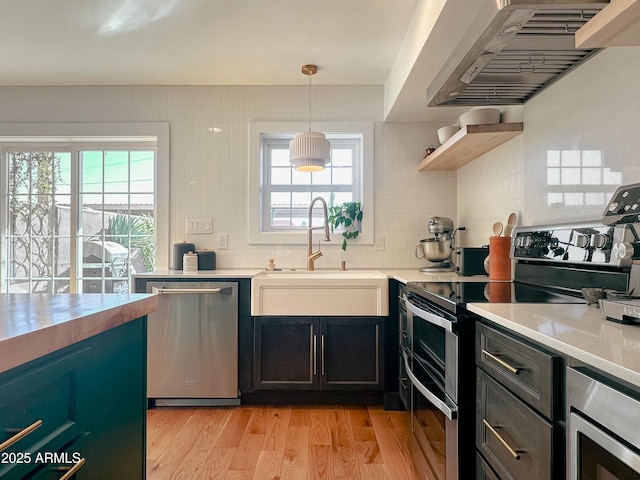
pixel 33 325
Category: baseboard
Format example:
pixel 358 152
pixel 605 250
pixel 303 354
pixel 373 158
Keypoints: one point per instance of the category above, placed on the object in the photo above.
pixel 312 398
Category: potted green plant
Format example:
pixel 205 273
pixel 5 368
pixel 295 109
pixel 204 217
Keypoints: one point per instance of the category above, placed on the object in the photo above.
pixel 346 217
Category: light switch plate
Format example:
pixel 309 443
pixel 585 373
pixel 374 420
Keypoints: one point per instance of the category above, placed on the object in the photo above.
pixel 198 226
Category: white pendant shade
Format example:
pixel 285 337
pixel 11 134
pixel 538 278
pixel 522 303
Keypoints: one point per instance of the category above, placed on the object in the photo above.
pixel 309 151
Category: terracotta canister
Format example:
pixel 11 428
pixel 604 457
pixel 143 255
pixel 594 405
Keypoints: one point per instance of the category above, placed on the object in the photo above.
pixel 499 261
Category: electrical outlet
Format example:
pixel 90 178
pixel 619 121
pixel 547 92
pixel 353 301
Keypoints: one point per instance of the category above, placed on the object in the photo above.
pixel 379 243
pixel 223 241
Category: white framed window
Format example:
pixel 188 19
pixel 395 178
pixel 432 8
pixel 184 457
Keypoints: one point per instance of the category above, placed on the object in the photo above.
pixel 280 195
pixel 287 192
pixel 81 213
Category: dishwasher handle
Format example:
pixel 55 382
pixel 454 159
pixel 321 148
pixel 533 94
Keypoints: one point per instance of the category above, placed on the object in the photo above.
pixel 197 291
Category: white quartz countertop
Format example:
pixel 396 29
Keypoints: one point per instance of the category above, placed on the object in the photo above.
pixel 33 325
pixel 576 330
pixel 200 274
pixel 401 274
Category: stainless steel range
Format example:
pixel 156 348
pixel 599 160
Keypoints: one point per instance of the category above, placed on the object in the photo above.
pixel 552 264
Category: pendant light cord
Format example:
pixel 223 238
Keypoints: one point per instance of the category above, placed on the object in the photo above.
pixel 309 70
pixel 309 105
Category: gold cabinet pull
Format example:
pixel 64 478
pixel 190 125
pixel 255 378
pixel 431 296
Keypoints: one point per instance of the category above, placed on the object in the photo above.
pixel 20 435
pixel 502 363
pixel 72 471
pixel 504 443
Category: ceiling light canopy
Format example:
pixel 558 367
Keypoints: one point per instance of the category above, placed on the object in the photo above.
pixel 309 151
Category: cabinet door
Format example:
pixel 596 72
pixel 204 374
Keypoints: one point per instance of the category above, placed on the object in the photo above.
pixel 517 442
pixel 527 371
pixel 41 401
pixel 351 352
pixel 285 353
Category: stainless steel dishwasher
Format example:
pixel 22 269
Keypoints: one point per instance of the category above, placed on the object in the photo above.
pixel 192 347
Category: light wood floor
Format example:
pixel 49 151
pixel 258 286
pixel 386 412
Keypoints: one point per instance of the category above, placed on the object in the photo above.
pixel 277 443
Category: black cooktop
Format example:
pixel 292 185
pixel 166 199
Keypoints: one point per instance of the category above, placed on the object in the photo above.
pixel 453 296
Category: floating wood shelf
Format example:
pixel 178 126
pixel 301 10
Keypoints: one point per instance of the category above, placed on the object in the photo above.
pixel 468 144
pixel 616 25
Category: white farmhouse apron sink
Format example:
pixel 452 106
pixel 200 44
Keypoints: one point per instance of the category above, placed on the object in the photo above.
pixel 320 293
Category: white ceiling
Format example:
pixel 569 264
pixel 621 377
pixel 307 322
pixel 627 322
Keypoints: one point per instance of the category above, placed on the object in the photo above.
pixel 212 42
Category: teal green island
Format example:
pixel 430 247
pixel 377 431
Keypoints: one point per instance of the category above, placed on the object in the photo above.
pixel 73 385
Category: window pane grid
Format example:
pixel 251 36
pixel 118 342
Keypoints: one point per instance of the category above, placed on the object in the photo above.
pixel 116 199
pixel 287 193
pixel 32 242
pixel 118 237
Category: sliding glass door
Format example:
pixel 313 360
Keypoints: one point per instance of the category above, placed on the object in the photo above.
pixel 77 219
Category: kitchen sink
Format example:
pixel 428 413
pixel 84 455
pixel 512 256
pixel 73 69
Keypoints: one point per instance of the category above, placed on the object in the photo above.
pixel 320 293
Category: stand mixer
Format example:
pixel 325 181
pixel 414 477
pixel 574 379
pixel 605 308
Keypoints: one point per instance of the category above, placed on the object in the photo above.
pixel 439 248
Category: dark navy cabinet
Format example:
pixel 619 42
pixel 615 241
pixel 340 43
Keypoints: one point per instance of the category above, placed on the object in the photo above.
pixel 313 353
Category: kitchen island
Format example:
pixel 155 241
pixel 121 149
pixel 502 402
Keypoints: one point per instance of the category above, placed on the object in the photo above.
pixel 34 325
pixel 73 385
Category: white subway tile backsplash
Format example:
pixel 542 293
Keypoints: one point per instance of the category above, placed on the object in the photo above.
pixel 208 170
pixel 565 127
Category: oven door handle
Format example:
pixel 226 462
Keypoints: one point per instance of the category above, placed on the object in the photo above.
pixel 428 316
pixel 449 412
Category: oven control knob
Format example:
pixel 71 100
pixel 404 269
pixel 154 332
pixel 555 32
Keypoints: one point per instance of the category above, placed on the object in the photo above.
pixel 600 240
pixel 525 241
pixel 615 207
pixel 623 250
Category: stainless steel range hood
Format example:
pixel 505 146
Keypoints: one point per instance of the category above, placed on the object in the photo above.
pixel 513 50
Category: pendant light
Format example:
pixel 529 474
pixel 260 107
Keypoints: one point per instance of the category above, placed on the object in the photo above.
pixel 309 151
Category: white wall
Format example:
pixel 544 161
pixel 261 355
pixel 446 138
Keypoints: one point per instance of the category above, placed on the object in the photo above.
pixel 594 111
pixel 209 170
pixel 595 108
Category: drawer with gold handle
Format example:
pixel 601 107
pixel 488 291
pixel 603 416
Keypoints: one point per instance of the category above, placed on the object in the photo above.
pixel 495 359
pixel 73 470
pixel 515 440
pixel 498 437
pixel 20 435
pixel 529 372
